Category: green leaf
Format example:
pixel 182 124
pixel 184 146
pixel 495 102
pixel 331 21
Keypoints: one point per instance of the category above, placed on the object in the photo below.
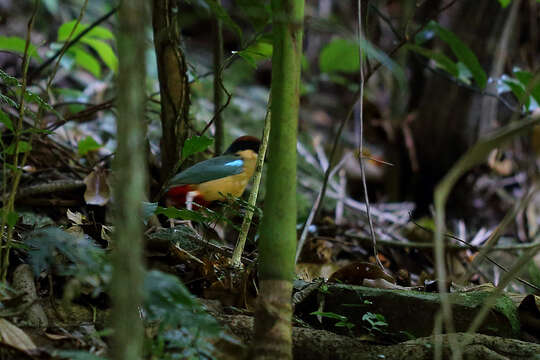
pixel 518 91
pixel 11 218
pixel 261 50
pixel 463 73
pixel 182 214
pixel 4 119
pixel 505 3
pixel 164 290
pixel 24 146
pixel 442 61
pixel 104 51
pixel 8 79
pixel 17 44
pixel 525 78
pixel 86 61
pixel 8 101
pixel 462 52
pixel 98 32
pixel 211 169
pixel 195 145
pixel 87 144
pixel 36 99
pixel 222 15
pixel 339 55
pixel 373 53
pixel 342 55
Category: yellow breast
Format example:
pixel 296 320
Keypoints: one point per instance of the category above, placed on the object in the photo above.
pixel 233 185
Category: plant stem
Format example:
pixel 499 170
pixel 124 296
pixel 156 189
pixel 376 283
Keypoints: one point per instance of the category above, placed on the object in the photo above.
pixel 239 248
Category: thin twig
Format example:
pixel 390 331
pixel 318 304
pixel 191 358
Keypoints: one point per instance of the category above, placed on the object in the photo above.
pixel 360 138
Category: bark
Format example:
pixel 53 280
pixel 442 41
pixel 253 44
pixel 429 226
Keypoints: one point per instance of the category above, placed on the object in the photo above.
pixel 173 85
pixel 131 181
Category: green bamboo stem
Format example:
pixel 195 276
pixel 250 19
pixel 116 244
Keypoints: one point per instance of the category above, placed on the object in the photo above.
pixel 246 223
pixel 277 244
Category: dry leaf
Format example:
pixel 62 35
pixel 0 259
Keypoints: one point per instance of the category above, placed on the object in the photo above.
pixel 75 217
pixel 57 336
pixel 15 337
pixel 97 188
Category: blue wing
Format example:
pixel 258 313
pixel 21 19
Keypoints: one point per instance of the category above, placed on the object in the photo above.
pixel 208 170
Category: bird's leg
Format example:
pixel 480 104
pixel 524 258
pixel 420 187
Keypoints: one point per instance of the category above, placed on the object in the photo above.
pixel 189 199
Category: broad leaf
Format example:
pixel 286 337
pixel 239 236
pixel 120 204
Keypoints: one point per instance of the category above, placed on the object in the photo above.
pixel 505 3
pixel 339 55
pixel 342 55
pixel 208 170
pixel 195 145
pixel 104 51
pixel 442 61
pixel 17 44
pixel 4 119
pixel 462 52
pixel 98 32
pixel 86 61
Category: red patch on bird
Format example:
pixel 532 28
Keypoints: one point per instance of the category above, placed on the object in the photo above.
pixel 176 196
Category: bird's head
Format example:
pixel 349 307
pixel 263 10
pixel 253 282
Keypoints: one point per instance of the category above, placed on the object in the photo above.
pixel 244 146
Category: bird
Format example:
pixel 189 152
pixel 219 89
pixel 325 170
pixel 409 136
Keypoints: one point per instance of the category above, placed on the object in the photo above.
pixel 217 178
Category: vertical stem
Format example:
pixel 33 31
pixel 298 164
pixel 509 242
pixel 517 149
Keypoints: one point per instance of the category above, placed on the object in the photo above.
pixel 131 180
pixel 278 229
pixel 360 137
pixel 239 248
